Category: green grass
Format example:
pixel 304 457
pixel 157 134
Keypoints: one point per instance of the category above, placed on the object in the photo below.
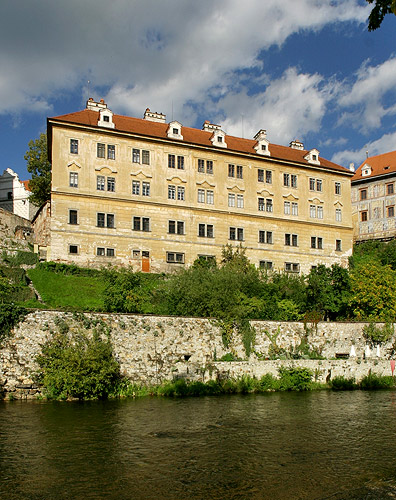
pixel 79 293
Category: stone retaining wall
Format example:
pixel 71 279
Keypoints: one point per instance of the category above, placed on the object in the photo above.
pixel 153 349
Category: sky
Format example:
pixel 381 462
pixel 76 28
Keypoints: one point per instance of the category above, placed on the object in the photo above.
pixel 306 69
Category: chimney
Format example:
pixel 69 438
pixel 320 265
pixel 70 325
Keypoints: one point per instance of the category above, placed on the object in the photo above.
pixel 210 127
pixel 352 167
pixel 96 106
pixel 296 145
pixel 154 116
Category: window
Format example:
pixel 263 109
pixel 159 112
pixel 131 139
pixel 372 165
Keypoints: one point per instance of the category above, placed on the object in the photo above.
pixel 136 187
pixel 175 227
pixel 268 176
pixel 136 155
pixel 180 193
pixel 265 205
pixel 239 172
pixel 145 188
pixel 363 194
pixel 201 195
pixel 312 211
pixel 260 175
pixel 73 218
pixel 171 161
pixel 110 252
pixel 171 192
pixel 209 167
pixel 141 224
pixel 100 150
pixel 363 216
pixel 291 240
pixel 201 165
pixel 292 267
pixel 106 118
pixel 390 211
pixel 73 249
pixel 236 233
pixel 180 162
pixel 175 258
pixel 110 152
pixel 73 148
pixel 294 208
pixel 105 220
pixel 240 201
pixel 209 197
pixel 286 179
pixel 268 205
pixel 338 214
pixel 73 179
pixel 337 187
pixel 231 199
pixel 286 207
pixel 319 211
pixel 145 157
pixel 290 180
pixel 231 170
pixel 338 246
pixel 265 237
pixel 111 184
pixel 315 184
pixel 261 204
pixel 100 251
pixel 267 265
pixel 205 230
pixel 175 131
pixel 316 242
pixel 390 189
pixel 100 183
pixel 293 179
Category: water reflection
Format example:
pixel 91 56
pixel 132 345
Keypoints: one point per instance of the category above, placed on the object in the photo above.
pixel 276 446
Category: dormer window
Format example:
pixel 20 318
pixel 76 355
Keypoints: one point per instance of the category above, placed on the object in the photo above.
pixel 106 118
pixel 174 130
pixel 366 170
pixel 313 157
pixel 262 143
pixel 219 139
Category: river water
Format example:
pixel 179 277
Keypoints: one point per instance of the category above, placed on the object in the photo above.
pixel 320 445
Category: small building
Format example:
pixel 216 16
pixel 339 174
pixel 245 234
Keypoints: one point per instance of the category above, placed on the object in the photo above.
pixel 374 198
pixel 14 195
pixel 154 195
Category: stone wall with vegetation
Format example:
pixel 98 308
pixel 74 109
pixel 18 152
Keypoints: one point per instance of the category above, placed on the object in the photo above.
pixel 153 349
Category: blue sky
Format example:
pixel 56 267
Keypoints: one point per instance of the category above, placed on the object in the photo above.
pixel 305 69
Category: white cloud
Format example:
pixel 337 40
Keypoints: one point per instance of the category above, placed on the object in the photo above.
pixel 147 53
pixel 382 145
pixel 367 95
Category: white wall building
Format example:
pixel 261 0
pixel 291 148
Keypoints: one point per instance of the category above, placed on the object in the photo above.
pixel 14 195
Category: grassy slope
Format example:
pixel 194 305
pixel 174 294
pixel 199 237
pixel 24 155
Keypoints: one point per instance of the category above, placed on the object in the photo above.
pixel 81 293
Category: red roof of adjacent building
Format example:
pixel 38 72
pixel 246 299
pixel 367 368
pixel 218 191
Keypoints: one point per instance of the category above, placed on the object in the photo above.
pixel 26 184
pixel 380 165
pixel 190 135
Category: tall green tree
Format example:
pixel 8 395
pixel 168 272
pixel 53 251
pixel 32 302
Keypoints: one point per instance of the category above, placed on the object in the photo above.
pixel 40 168
pixel 379 11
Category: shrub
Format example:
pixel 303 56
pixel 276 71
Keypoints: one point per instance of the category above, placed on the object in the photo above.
pixel 294 379
pixel 374 381
pixel 10 315
pixel 78 366
pixel 340 383
pixel 377 335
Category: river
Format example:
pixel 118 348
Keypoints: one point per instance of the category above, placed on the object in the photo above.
pixel 319 445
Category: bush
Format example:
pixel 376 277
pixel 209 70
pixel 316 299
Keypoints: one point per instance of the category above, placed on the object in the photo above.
pixel 20 258
pixel 377 335
pixel 80 367
pixel 294 379
pixel 373 381
pixel 10 315
pixel 340 383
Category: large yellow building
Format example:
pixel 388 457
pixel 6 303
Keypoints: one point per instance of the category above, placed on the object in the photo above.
pixel 157 195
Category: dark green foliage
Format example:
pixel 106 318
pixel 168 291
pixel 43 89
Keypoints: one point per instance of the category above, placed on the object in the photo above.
pixel 373 381
pixel 69 269
pixel 10 315
pixel 21 257
pixel 40 168
pixel 295 379
pixel 228 357
pixel 78 366
pixel 377 335
pixel 328 291
pixel 379 11
pixel 341 383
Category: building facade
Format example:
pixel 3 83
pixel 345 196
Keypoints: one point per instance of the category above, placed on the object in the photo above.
pixel 14 195
pixel 374 198
pixel 157 195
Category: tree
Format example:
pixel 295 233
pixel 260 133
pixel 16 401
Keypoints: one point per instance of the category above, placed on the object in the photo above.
pixel 40 168
pixel 379 11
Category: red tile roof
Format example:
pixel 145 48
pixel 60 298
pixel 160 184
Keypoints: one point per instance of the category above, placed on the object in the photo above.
pixel 26 184
pixel 380 165
pixel 191 135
